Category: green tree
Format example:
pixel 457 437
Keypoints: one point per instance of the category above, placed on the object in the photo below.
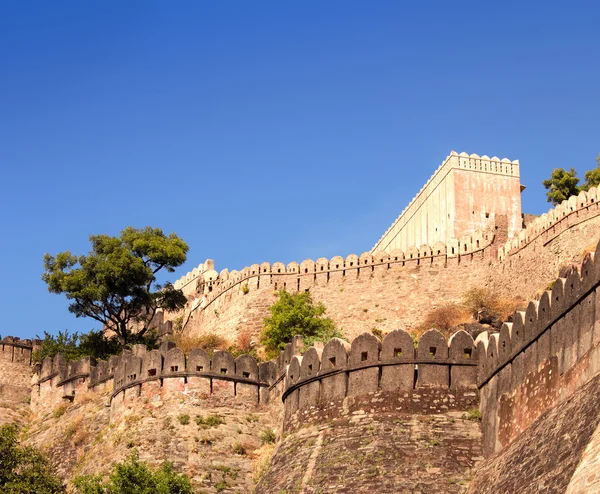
pixel 23 469
pixel 561 185
pixel 93 344
pixel 295 315
pixel 115 284
pixel 592 177
pixel 136 477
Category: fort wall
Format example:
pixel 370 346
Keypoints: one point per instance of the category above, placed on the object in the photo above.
pixel 375 415
pixel 15 369
pixel 366 291
pixel 416 378
pixel 541 369
pixel 376 290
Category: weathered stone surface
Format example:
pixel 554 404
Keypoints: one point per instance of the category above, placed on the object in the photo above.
pixel 335 356
pixel 433 346
pixel 544 457
pixel 391 442
pixel 364 351
pixel 398 345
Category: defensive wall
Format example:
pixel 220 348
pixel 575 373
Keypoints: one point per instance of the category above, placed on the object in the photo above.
pixel 465 194
pixel 539 380
pixel 374 290
pixel 15 369
pixel 386 416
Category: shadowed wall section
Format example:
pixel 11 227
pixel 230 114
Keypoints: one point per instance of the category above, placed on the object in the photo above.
pixel 531 376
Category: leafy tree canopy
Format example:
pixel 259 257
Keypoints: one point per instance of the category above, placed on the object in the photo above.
pixel 115 283
pixel 295 315
pixel 136 477
pixel 592 177
pixel 561 185
pixel 93 344
pixel 23 469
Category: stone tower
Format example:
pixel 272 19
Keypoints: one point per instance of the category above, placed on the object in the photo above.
pixel 466 193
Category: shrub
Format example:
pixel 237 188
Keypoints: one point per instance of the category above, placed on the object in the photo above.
pixel 377 332
pixel 245 289
pixel 267 437
pixel 59 411
pixel 184 419
pixel 473 414
pixel 210 342
pixel 295 315
pixel 239 449
pixel 136 476
pixel 483 300
pixel 23 468
pixel 209 421
pixel 445 317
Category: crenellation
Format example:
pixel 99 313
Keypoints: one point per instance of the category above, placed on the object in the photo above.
pixel 554 334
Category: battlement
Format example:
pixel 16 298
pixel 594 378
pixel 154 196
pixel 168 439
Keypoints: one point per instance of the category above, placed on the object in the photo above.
pixel 301 276
pixel 567 214
pixel 545 354
pixel 327 374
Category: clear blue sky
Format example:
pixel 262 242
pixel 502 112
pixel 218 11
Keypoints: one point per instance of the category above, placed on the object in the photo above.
pixel 272 131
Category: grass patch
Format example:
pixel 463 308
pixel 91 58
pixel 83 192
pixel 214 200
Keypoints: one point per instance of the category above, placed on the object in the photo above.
pixel 209 421
pixel 268 437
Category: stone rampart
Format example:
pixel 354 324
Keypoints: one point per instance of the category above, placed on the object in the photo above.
pixel 145 375
pixel 577 209
pixel 374 290
pixel 540 359
pixel 15 369
pixel 238 300
pixel 324 376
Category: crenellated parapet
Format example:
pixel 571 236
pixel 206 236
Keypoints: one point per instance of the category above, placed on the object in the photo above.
pixel 539 359
pixel 548 226
pixel 301 276
pixel 167 372
pixel 327 374
pixel 15 368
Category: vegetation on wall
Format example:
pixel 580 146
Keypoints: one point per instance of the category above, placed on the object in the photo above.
pixel 295 315
pixel 446 317
pixel 135 476
pixel 23 469
pixel 562 183
pixel 115 284
pixel 477 305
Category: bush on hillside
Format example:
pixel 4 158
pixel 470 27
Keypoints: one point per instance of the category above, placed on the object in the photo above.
pixel 135 476
pixel 482 301
pixel 23 469
pixel 295 315
pixel 446 317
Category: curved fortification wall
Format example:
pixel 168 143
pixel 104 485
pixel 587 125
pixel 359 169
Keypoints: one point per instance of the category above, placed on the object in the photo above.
pixel 539 379
pixel 371 416
pixel 162 375
pixel 356 290
pixel 323 375
pixel 377 289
